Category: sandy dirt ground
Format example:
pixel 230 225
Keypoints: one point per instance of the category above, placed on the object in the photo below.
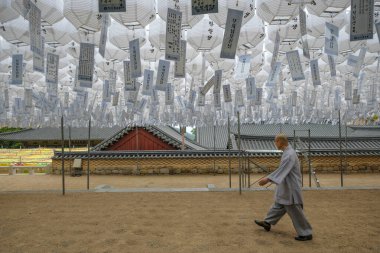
pixel 25 182
pixel 343 221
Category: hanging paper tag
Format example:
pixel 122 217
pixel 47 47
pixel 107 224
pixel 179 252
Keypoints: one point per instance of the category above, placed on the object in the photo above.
pixel 348 90
pixel 239 101
pixel 275 50
pixel 155 98
pixel 17 69
pixel 373 92
pixel 132 96
pixel 231 33
pixel 258 96
pixel 314 69
pixel 295 66
pixel 162 75
pixel 273 75
pixel 313 97
pixel 26 5
pixel 86 64
pixel 52 63
pixel 378 30
pixel 148 82
pixel 192 96
pixel 6 99
pixel 305 47
pixel 352 60
pixel 208 85
pixel 135 61
pixel 332 65
pixel 201 98
pixel 361 26
pixel 103 34
pixel 127 72
pixel 112 6
pixel 66 99
pixel 331 39
pixel 130 86
pixel 217 101
pixel 39 60
pixel 243 66
pixel 28 97
pixel 218 81
pixel 35 29
pixel 281 82
pixel 115 99
pixel 302 16
pixel 294 98
pixel 227 93
pixel 359 64
pixel 106 91
pixel 180 65
pixel 251 88
pixel 204 6
pixel 173 35
pixel 141 106
pixel 356 97
pixel 169 94
pixel 337 100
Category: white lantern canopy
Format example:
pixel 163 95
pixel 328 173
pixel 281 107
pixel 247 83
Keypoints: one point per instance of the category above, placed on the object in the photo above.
pixel 328 8
pixel 83 14
pixel 16 31
pixel 247 6
pixel 120 35
pixel 184 6
pixel 251 34
pixel 51 10
pixel 59 32
pixel 139 13
pixel 205 35
pixel 7 13
pixel 276 12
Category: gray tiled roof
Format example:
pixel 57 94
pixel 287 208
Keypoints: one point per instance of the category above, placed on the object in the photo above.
pixel 165 133
pixel 49 133
pixel 205 135
pixel 332 144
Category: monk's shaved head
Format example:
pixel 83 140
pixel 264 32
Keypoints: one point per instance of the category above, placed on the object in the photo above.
pixel 281 139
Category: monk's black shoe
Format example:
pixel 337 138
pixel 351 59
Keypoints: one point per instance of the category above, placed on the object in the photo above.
pixel 304 238
pixel 263 224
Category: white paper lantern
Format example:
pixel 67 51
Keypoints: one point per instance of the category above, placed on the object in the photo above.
pixel 120 35
pixel 59 32
pixel 276 11
pixel 247 6
pixel 139 13
pixel 184 6
pixel 205 35
pixel 16 31
pixel 83 14
pixel 51 10
pixel 7 13
pixel 328 8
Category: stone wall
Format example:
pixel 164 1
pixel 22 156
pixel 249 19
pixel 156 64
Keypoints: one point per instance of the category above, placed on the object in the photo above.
pixel 133 166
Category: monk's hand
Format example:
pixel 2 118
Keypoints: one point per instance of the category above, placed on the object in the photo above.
pixel 263 181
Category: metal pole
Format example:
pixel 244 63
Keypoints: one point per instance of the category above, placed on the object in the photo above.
pixel 340 152
pixel 88 154
pixel 70 147
pixel 63 158
pixel 238 114
pixel 137 148
pixel 214 146
pixel 249 174
pixel 229 151
pixel 309 162
pixel 345 149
